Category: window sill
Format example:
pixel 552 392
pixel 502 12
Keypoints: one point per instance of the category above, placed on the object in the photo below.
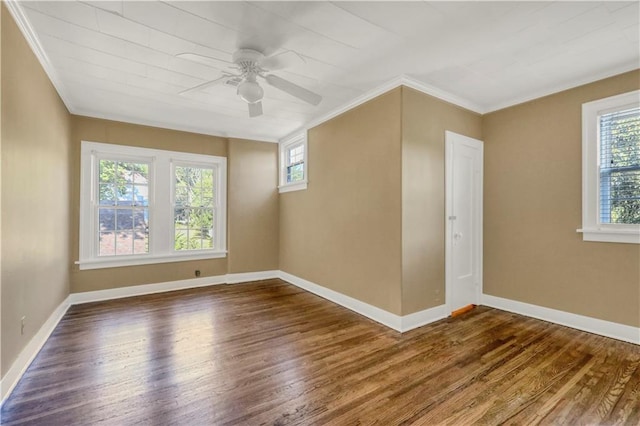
pixel 298 186
pixel 631 236
pixel 115 262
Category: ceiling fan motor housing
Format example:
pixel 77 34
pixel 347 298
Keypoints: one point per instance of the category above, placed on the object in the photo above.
pixel 248 60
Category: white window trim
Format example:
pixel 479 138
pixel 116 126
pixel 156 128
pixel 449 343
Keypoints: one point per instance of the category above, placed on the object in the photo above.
pixel 161 246
pixel 300 138
pixel 592 229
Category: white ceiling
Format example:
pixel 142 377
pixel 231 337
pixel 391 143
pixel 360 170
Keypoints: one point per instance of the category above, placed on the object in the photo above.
pixel 116 59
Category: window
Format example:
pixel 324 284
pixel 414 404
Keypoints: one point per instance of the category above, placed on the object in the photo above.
pixel 193 208
pixel 611 169
pixel 293 164
pixel 141 206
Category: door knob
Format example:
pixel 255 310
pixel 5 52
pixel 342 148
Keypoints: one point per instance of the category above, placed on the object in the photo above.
pixel 457 235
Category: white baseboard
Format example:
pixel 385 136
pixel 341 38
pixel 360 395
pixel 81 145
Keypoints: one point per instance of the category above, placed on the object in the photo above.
pixel 139 290
pixel 420 318
pixel 592 325
pixel 396 322
pixel 20 365
pixel 245 277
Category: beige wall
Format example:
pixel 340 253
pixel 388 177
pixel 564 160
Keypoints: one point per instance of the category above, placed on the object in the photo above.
pixel 105 131
pixel 344 231
pixel 35 194
pixel 253 204
pixel 252 219
pixel 532 209
pixel 424 122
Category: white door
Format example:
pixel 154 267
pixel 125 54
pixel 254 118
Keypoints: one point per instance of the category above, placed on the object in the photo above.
pixel 464 157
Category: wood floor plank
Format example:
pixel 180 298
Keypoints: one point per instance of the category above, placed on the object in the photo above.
pixel 270 353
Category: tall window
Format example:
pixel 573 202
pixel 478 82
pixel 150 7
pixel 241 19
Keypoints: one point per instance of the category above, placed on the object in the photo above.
pixel 619 134
pixel 611 169
pixel 293 164
pixel 123 207
pixel 141 206
pixel 194 209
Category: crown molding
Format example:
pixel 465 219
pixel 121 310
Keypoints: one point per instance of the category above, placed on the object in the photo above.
pixel 401 80
pixel 443 95
pixel 16 11
pixel 162 125
pixel 592 78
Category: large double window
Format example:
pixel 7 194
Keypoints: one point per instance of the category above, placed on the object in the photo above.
pixel 611 169
pixel 141 206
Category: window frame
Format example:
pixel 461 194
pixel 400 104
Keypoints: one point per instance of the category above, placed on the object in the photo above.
pixel 592 229
pixel 299 139
pixel 161 227
pixel 217 223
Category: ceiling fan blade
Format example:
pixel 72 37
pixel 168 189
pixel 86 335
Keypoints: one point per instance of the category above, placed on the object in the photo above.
pixel 205 60
pixel 205 85
pixel 282 60
pixel 293 89
pixel 255 109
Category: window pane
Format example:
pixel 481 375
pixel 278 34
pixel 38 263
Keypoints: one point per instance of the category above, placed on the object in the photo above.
pixel 295 173
pixel 124 219
pixel 182 196
pixel 107 171
pixel 107 194
pixel 107 244
pixel 107 219
pixel 619 134
pixel 142 174
pixel 125 195
pixel 124 243
pixel 296 154
pixel 141 195
pixel 141 241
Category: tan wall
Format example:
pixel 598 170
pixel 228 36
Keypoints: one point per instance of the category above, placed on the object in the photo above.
pixel 344 231
pixel 424 122
pixel 256 209
pixel 533 180
pixel 35 194
pixel 253 203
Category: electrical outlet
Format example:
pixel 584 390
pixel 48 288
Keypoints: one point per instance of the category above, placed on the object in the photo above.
pixel 22 325
pixel 197 272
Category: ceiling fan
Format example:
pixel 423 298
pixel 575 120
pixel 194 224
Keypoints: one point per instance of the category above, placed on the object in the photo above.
pixel 251 64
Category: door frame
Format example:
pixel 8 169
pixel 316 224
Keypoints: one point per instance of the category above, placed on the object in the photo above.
pixel 450 140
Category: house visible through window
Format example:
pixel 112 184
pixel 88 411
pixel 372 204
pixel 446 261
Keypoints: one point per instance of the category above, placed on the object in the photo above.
pixel 293 163
pixel 142 206
pixel 611 169
pixel 123 207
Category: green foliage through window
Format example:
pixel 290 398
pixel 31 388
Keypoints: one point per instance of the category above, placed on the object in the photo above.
pixel 620 167
pixel 194 211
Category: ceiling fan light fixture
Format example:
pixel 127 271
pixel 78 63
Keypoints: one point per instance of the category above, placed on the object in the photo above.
pixel 250 91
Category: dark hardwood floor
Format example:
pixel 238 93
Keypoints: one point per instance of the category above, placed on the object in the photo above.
pixel 270 353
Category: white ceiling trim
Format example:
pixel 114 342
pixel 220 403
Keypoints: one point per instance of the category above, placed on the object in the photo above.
pixel 20 18
pixel 30 35
pixel 157 124
pixel 401 80
pixel 562 87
